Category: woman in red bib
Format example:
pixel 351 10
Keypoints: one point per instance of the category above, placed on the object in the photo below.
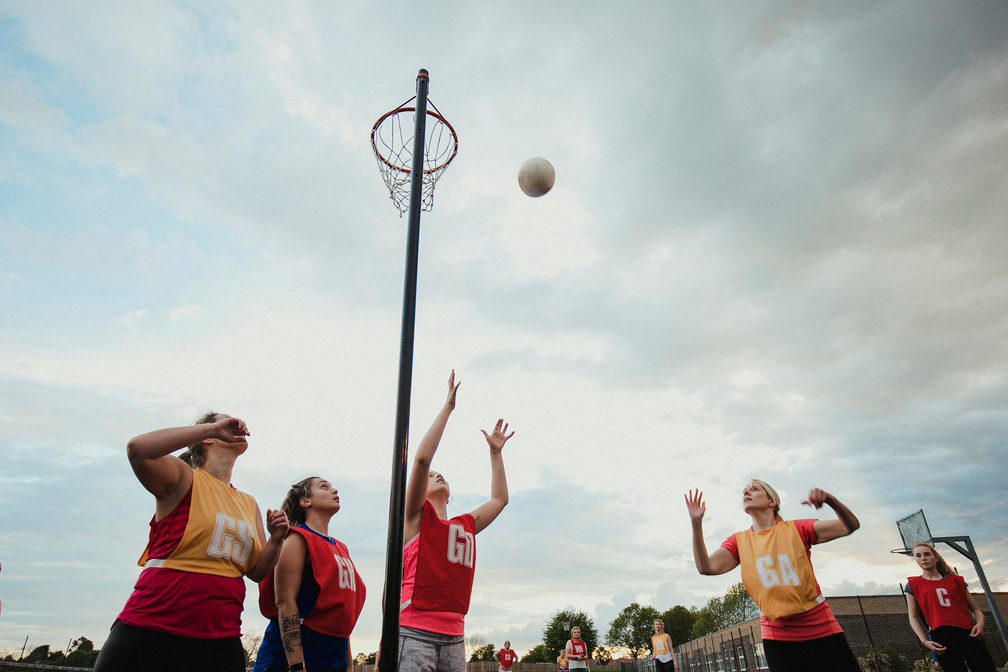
pixel 798 629
pixel 955 620
pixel 205 537
pixel 315 595
pixel 439 557
pixel 577 651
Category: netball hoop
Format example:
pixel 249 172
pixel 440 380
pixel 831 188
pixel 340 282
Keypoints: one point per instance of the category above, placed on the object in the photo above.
pixel 392 142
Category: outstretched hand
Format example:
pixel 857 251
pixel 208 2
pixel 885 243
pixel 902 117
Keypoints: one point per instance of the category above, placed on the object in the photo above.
pixel 695 505
pixel 816 498
pixel 499 436
pixel 230 430
pixel 452 389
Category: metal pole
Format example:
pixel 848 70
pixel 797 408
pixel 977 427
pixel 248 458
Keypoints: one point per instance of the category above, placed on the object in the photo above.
pixel 389 647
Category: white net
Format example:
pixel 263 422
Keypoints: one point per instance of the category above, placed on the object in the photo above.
pixel 392 142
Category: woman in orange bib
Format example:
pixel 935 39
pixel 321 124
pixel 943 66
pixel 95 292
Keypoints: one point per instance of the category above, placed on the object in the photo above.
pixel 439 558
pixel 955 620
pixel 205 537
pixel 798 629
pixel 661 647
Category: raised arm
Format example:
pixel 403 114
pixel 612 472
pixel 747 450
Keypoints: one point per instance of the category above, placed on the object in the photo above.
pixel 485 513
pixel 162 474
pixel 718 562
pixel 416 489
pixel 828 530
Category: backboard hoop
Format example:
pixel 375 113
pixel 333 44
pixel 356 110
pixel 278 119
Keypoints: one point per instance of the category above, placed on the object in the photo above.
pixel 913 529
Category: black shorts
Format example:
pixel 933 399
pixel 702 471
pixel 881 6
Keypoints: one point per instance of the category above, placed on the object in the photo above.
pixel 960 650
pixel 130 649
pixel 825 654
pixel 659 666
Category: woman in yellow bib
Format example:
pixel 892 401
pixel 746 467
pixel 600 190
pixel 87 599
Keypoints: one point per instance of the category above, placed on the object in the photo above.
pixel 205 537
pixel 798 629
pixel 661 645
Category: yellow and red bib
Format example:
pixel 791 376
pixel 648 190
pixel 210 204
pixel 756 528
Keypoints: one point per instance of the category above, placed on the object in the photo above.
pixel 220 535
pixel 777 572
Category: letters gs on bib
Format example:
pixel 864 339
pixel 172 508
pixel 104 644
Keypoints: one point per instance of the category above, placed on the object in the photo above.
pixel 461 546
pixel 231 539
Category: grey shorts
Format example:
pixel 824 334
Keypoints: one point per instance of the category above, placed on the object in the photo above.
pixel 422 651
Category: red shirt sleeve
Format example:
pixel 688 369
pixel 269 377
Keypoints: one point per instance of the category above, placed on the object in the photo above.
pixel 731 545
pixel 806 529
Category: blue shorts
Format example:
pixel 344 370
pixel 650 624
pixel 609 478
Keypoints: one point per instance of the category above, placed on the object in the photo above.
pixel 323 653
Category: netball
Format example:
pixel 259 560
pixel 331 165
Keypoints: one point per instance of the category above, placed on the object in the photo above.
pixel 536 176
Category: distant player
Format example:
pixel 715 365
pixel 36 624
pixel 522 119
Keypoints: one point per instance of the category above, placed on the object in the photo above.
pixel 798 629
pixel 439 558
pixel 661 647
pixel 577 651
pixel 205 537
pixel 506 657
pixel 956 622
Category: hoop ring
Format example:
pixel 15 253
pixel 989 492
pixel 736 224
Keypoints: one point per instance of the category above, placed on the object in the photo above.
pixel 401 169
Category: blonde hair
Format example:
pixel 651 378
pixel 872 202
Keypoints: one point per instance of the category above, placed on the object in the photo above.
pixel 940 564
pixel 195 455
pixel 773 495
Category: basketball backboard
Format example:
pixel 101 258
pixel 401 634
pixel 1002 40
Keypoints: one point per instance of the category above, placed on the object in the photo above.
pixel 913 529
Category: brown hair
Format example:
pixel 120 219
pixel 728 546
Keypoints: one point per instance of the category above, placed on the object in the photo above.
pixel 194 455
pixel 292 502
pixel 940 564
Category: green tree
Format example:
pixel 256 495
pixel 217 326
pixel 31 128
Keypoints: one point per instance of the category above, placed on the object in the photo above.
pixel 38 655
pixel 732 608
pixel 678 622
pixel 603 655
pixel 736 606
pixel 484 652
pixel 82 654
pixel 555 638
pixel 540 654
pixel 705 622
pixel 632 629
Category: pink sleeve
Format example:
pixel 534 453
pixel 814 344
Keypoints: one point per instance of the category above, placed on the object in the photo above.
pixel 806 529
pixel 731 545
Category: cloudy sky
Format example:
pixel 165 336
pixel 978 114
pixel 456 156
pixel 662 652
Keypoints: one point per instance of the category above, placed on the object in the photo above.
pixel 777 246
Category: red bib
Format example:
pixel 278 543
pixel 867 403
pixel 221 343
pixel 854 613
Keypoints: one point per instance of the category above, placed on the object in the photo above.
pixel 507 657
pixel 342 593
pixel 446 562
pixel 942 602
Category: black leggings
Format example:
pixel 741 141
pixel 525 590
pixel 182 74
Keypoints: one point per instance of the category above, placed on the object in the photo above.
pixel 825 654
pixel 961 650
pixel 130 649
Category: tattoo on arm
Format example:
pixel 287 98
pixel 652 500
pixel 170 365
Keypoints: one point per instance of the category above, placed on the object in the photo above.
pixel 290 633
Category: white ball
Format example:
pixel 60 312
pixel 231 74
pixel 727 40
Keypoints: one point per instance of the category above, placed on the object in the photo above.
pixel 536 177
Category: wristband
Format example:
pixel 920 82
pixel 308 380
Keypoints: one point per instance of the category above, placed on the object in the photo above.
pixel 296 667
